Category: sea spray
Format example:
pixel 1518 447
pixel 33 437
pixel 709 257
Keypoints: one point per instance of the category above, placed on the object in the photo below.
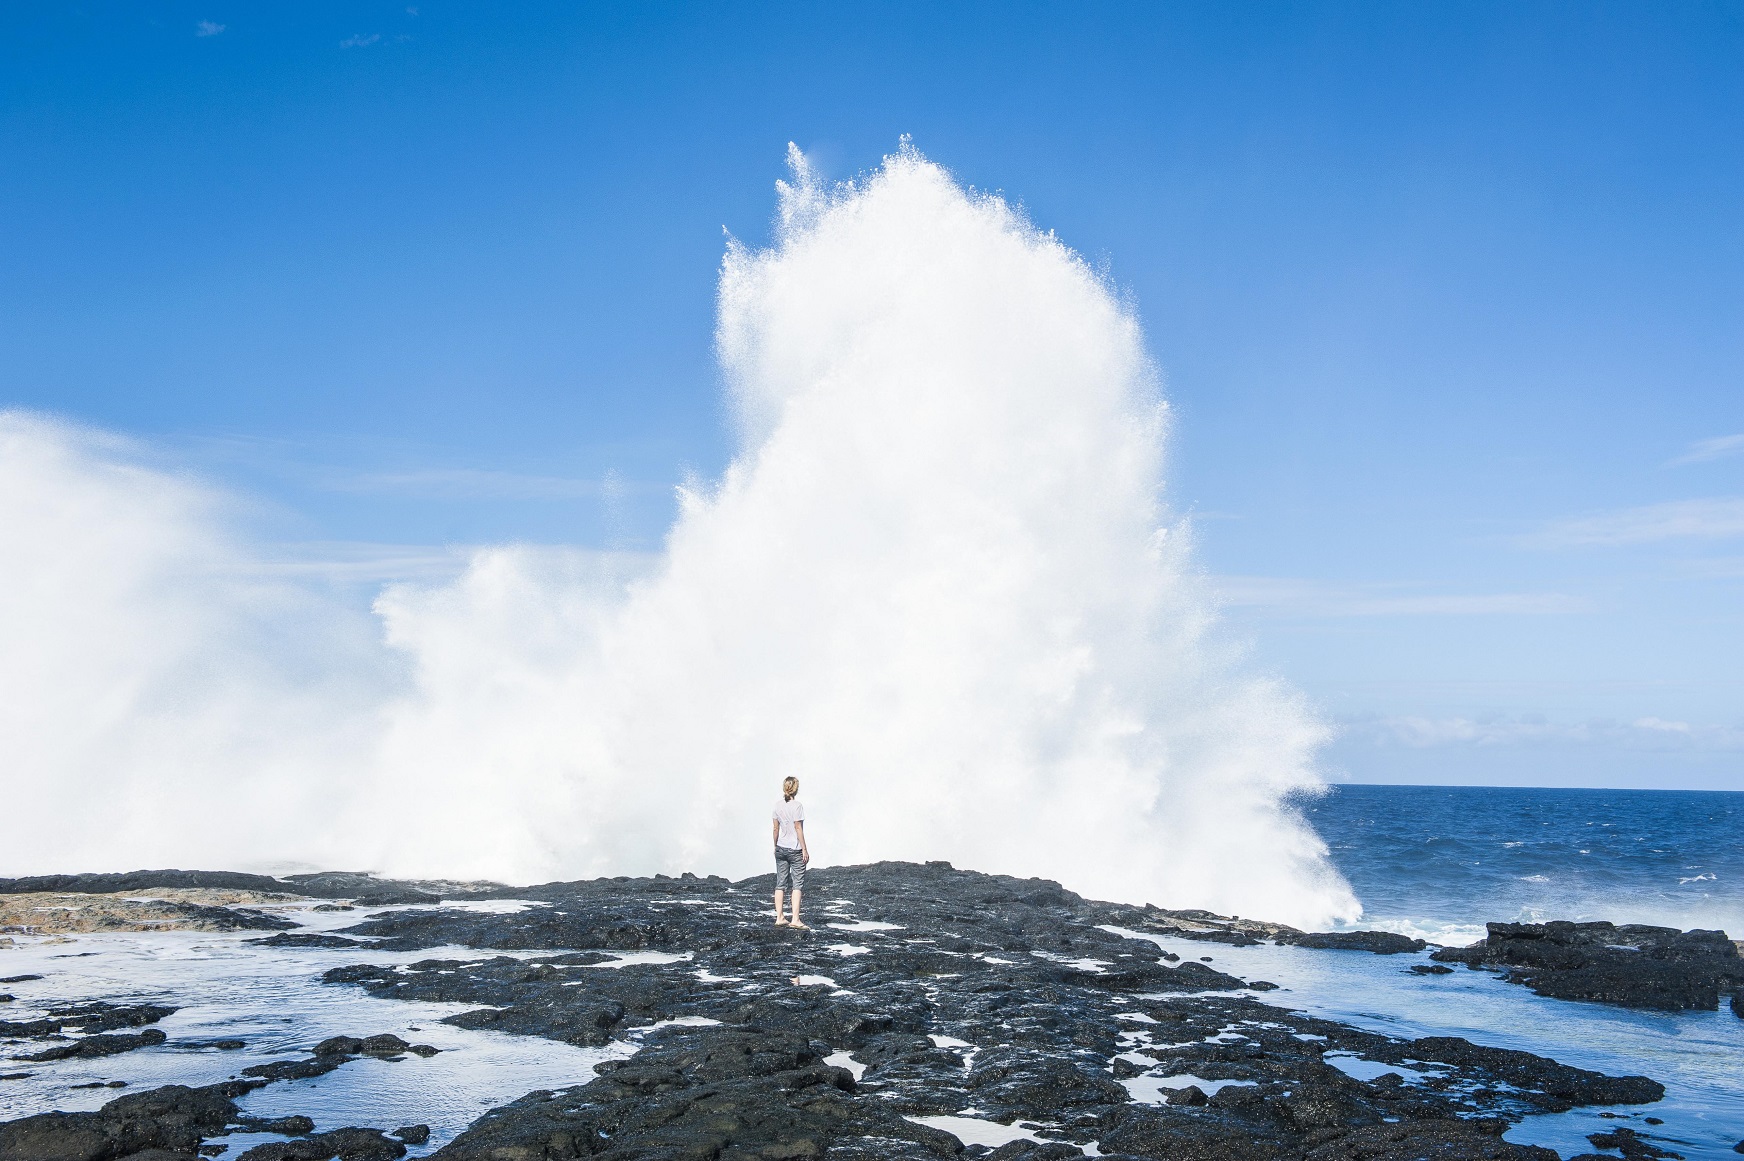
pixel 938 583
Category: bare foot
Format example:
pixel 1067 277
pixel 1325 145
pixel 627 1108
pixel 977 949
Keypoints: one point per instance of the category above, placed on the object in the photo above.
pixel 798 926
pixel 782 923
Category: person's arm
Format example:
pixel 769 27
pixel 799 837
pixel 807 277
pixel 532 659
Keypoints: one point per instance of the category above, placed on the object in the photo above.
pixel 799 829
pixel 774 831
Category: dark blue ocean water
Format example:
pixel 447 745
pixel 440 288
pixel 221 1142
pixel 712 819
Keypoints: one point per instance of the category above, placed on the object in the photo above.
pixel 1445 859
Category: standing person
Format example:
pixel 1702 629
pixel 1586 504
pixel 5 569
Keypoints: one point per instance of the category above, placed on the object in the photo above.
pixel 791 854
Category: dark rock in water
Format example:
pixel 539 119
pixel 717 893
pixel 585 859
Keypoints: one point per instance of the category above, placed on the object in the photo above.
pixel 333 907
pixel 295 1069
pixel 308 939
pixel 335 1051
pixel 1378 942
pixel 16 1075
pixel 1431 969
pixel 6 998
pixel 1633 966
pixel 1631 1144
pixel 19 979
pixel 345 1144
pixel 413 1134
pixel 88 1018
pixel 174 1119
pixel 103 1017
pixel 102 1044
pixel 382 1044
pixel 1738 1003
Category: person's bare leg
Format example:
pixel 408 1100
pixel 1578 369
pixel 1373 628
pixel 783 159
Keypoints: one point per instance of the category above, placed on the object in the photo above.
pixel 796 894
pixel 779 921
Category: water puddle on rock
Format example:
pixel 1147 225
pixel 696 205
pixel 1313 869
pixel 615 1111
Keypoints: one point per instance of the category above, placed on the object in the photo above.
pixel 273 1000
pixel 1696 1055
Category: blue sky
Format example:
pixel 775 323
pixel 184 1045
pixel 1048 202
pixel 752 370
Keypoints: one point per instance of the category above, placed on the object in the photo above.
pixel 1449 298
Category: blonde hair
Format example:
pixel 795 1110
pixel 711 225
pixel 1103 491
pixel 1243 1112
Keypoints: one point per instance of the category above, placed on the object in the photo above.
pixel 789 787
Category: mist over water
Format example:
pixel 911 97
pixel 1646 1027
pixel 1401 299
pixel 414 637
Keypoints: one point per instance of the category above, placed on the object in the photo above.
pixel 938 582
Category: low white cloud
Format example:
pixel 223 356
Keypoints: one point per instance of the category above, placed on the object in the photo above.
pixel 1317 599
pixel 208 28
pixel 1647 733
pixel 1704 450
pixel 361 40
pixel 1716 518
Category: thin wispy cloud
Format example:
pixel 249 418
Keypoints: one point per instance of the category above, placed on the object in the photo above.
pixel 1313 599
pixel 362 562
pixel 470 484
pixel 1647 733
pixel 360 40
pixel 1716 518
pixel 208 28
pixel 1703 450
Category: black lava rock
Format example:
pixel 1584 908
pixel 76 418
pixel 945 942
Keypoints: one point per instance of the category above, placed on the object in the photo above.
pixel 1631 1144
pixel 947 991
pixel 346 1144
pixel 174 1119
pixel 335 1051
pixel 103 1044
pixel 308 939
pixel 1633 966
pixel 1378 942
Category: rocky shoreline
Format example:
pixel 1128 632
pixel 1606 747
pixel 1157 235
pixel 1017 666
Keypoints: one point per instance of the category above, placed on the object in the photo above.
pixel 924 994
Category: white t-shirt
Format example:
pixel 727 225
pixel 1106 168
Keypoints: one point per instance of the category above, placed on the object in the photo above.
pixel 787 814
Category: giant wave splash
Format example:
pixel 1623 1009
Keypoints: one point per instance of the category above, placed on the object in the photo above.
pixel 938 582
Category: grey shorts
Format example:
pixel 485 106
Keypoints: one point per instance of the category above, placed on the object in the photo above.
pixel 789 870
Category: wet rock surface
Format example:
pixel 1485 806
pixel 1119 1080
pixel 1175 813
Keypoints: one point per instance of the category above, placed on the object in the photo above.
pixel 950 994
pixel 1633 966
pixel 95 1023
pixel 921 992
pixel 102 1044
pixel 186 909
pixel 173 1119
pixel 335 1051
pixel 179 1123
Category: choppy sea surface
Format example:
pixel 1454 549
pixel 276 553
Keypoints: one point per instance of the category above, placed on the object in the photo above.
pixel 1440 861
pixel 1432 861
